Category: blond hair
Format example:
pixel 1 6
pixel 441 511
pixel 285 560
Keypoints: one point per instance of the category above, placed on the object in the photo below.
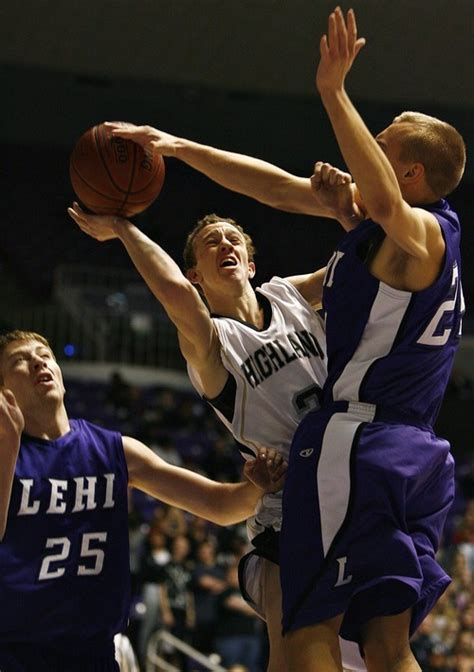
pixel 18 335
pixel 438 146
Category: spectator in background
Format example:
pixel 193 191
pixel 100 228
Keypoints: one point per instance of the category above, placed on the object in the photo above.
pixel 170 521
pixel 209 580
pixel 152 574
pixel 163 446
pixel 237 638
pixel 119 395
pixel 221 461
pixel 200 531
pixel 176 597
pixel 464 652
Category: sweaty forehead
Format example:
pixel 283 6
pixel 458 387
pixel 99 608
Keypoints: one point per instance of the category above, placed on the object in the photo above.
pixel 218 227
pixel 24 346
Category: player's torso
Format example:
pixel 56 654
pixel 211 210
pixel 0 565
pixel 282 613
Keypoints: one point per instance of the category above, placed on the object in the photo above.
pixel 387 346
pixel 279 370
pixel 64 556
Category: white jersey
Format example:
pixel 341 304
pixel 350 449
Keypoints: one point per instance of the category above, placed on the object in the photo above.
pixel 279 371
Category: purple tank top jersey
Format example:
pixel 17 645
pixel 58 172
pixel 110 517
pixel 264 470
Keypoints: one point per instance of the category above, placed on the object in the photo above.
pixel 64 559
pixel 390 347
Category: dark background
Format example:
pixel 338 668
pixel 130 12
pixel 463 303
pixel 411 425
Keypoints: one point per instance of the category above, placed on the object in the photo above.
pixel 239 75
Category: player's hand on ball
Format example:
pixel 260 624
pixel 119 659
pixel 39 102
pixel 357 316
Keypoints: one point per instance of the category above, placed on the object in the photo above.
pixel 267 471
pixel 100 227
pixel 12 422
pixel 146 136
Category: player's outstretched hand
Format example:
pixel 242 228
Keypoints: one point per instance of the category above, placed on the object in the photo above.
pixel 12 422
pixel 267 471
pixel 100 227
pixel 338 50
pixel 146 136
pixel 336 190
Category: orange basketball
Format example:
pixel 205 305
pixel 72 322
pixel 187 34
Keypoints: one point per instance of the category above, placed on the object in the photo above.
pixel 113 176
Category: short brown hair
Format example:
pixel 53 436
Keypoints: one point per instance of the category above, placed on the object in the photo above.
pixel 438 146
pixel 18 335
pixel 188 253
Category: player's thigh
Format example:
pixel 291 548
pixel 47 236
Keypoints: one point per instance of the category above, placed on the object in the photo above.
pixel 277 661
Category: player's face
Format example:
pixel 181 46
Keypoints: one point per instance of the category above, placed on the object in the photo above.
pixel 31 372
pixel 221 256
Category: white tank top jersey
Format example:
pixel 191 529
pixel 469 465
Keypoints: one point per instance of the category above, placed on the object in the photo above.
pixel 278 372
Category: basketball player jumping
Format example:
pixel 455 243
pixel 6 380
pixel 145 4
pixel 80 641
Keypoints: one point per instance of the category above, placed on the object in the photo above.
pixel 369 484
pixel 259 358
pixel 64 558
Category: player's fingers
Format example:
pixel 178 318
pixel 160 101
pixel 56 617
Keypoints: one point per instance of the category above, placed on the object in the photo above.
pixel 278 464
pixel 249 466
pixel 317 168
pixel 315 183
pixel 271 455
pixel 120 125
pixel 342 179
pixel 324 48
pixel 341 32
pixel 79 218
pixel 351 30
pixel 332 176
pixel 72 213
pixel 78 210
pixel 280 472
pixel 358 45
pixel 325 171
pixel 316 176
pixel 9 396
pixel 332 41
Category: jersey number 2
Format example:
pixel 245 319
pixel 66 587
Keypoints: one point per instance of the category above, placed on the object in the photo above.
pixel 64 546
pixel 447 309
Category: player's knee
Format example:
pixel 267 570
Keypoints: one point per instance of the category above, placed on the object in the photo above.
pixel 387 656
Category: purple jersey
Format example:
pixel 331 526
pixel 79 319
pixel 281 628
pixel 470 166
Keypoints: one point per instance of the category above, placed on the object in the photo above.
pixel 64 559
pixel 386 346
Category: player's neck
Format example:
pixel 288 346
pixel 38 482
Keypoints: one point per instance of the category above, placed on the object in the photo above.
pixel 243 307
pixel 43 424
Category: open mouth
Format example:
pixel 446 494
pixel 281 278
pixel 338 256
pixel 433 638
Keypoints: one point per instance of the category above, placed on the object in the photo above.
pixel 44 378
pixel 229 262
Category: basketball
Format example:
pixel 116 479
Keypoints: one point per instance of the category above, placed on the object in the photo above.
pixel 113 176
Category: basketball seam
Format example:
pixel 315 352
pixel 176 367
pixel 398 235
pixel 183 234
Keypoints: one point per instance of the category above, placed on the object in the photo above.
pixel 127 192
pixel 101 144
pixel 89 185
pixel 105 195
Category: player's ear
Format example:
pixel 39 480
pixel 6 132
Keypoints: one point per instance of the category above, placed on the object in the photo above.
pixel 414 172
pixel 194 276
pixel 252 269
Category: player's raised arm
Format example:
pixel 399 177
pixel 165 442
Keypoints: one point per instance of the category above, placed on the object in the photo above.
pixel 243 174
pixel 377 178
pixel 11 427
pixel 163 276
pixel 221 503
